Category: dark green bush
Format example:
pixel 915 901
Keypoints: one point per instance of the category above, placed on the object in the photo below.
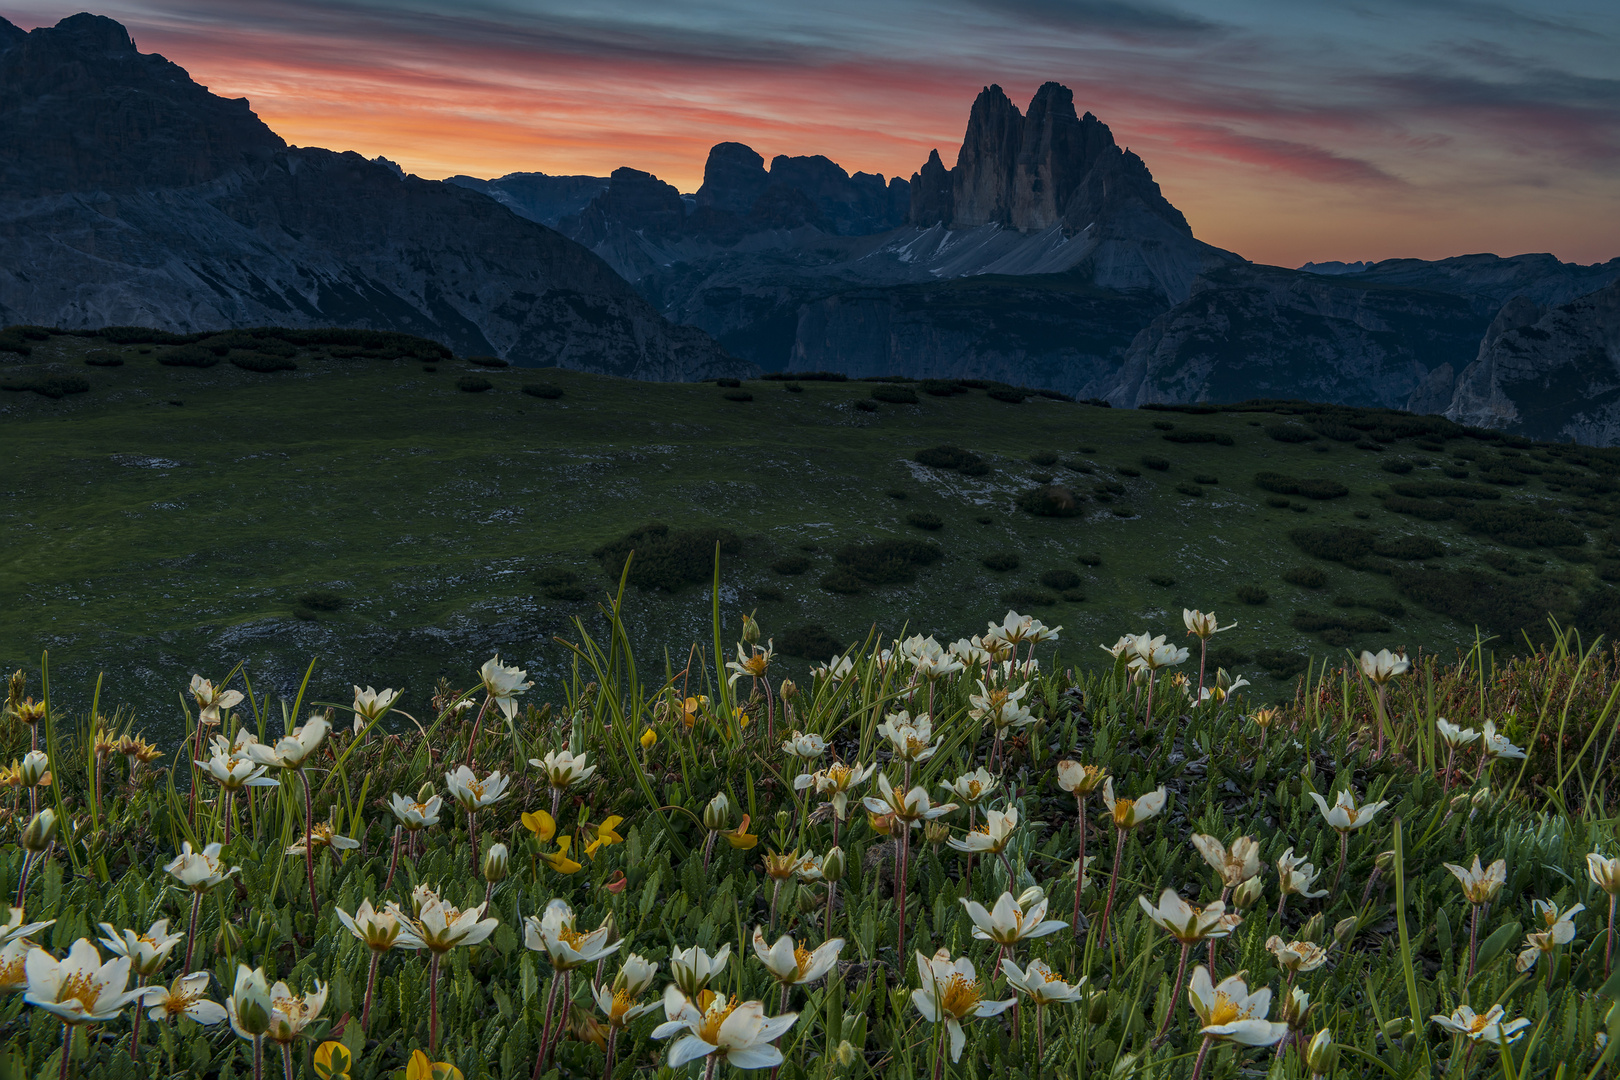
pixel 1053 500
pixel 949 457
pixel 1007 393
pixel 807 376
pixel 1089 560
pixel 1126 470
pixel 791 565
pixel 1163 425
pixel 732 383
pixel 1454 472
pixel 769 594
pixel 1252 594
pixel 1502 476
pixel 1079 466
pixel 1306 577
pixel 985 519
pixel 1283 484
pixel 51 386
pixel 1122 511
pixel 1043 458
pixel 1475 598
pixel 1205 478
pixel 1000 560
pixel 192 356
pixel 1219 438
pixel 1028 598
pixel 1110 487
pixel 1336 431
pixel 1190 490
pixel 793 388
pixel 1060 579
pixel 898 493
pixel 737 395
pixel 1409 547
pixel 1428 510
pixel 942 387
pixel 263 363
pixel 1164 581
pixel 812 642
pixel 1074 596
pixel 1398 466
pixel 665 558
pixel 888 562
pixel 322 600
pixel 473 384
pixel 1279 664
pixel 1157 464
pixel 1521 525
pixel 894 395
pixel 922 519
pixel 549 391
pixel 488 361
pixel 104 361
pixel 429 368
pixel 1314 622
pixel 1291 433
pixel 1278 502
pixel 842 582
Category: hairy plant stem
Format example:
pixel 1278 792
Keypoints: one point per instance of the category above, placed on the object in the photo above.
pixel 230 813
pixel 1344 855
pixel 1175 994
pixel 472 837
pixel 1203 654
pixel 286 1061
pixel 191 934
pixel 1608 948
pixel 832 888
pixel 607 1063
pixel 472 740
pixel 1198 1064
pixel 1473 939
pixel 1378 751
pixel 545 1030
pixel 309 847
pixel 1080 862
pixel 67 1049
pixel 258 1057
pixel 393 862
pixel 22 878
pixel 433 1003
pixel 1113 883
pixel 900 886
pixel 371 986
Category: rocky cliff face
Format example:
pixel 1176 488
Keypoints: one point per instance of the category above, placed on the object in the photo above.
pixel 1548 374
pixel 1260 331
pixel 133 196
pixel 536 196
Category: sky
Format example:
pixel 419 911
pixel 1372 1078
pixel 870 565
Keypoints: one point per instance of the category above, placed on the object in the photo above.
pixel 1285 131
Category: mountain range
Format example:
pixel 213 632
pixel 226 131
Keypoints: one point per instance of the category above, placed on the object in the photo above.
pixel 1045 256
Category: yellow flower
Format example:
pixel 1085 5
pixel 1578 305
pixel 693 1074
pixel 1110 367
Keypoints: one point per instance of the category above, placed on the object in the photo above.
pixel 605 835
pixel 781 867
pixel 649 739
pixel 882 824
pixel 541 824
pixel 559 861
pixel 420 1068
pixel 740 837
pixel 332 1061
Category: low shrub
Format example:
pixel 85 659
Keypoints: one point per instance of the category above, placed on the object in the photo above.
pixel 1498 605
pixel 793 388
pixel 473 384
pixel 1089 560
pixel 1122 511
pixel 104 361
pixel 894 395
pixel 488 361
pixel 192 356
pixel 1409 548
pixel 1291 433
pixel 732 383
pixel 1190 490
pixel 769 594
pixel 1074 596
pixel 841 581
pixel 666 559
pixel 1163 425
pixel 898 493
pixel 1052 500
pixel 813 642
pixel 1157 464
pixel 941 387
pixel 321 600
pixel 1164 581
pixel 1306 577
pixel 1442 489
pixel 1278 502
pixel 866 405
pixel 985 519
pixel 1000 561
pixel 888 562
pixel 1218 438
pixel 1008 394
pixel 1279 664
pixel 1253 595
pixel 1205 478
pixel 1028 598
pixel 1398 466
pixel 1126 470
pixel 1079 466
pixel 548 391
pixel 1427 509
pixel 921 519
pixel 737 395
pixel 1283 484
pixel 1336 431
pixel 1521 525
pixel 791 565
pixel 54 387
pixel 807 376
pixel 1043 458
pixel 1314 622
pixel 951 457
pixel 1060 579
pixel 1455 472
pixel 263 363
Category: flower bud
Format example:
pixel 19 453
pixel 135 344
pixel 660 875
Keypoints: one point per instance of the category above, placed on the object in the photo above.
pixel 610 923
pixel 228 940
pixel 40 832
pixel 1344 930
pixel 1097 1007
pixel 783 819
pixel 1396 1029
pixel 424 793
pixel 35 766
pixel 882 824
pixel 648 739
pixel 1460 803
pixel 495 864
pixel 1482 798
pixel 251 997
pixel 1031 896
pixel 1385 861
pixel 1312 930
pixel 1249 893
pixel 809 900
pixel 936 832
pixel 717 815
pixel 847 1053
pixel 1322 1055
pixel 750 631
pixel 832 864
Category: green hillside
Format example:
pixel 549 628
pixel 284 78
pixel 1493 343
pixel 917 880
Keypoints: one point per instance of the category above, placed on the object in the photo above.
pixel 359 506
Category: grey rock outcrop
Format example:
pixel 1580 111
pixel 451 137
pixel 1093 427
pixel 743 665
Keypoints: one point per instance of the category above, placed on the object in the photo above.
pixel 537 196
pixel 1554 376
pixel 136 197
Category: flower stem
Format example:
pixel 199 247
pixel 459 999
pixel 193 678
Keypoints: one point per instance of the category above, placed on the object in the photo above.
pixel 135 1027
pixel 472 740
pixel 286 1061
pixel 1608 949
pixel 607 1064
pixel 1198 1065
pixel 393 862
pixel 258 1057
pixel 1113 882
pixel 230 812
pixel 433 1003
pixel 1079 863
pixel 371 985
pixel 1175 994
pixel 472 838
pixel 900 887
pixel 22 879
pixel 309 847
pixel 1344 855
pixel 1473 939
pixel 545 1032
pixel 191 935
pixel 67 1048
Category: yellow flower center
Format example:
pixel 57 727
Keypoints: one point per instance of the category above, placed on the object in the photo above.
pixel 974 788
pixel 1052 977
pixel 1122 811
pixel 477 789
pixel 622 1003
pixel 13 973
pixel 82 986
pixel 1478 1023
pixel 959 996
pixel 570 937
pixel 176 1004
pixel 1225 1011
pixel 713 1017
pixel 801 960
pixel 837 777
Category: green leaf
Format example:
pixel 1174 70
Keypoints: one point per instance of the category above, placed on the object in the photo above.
pixel 1495 946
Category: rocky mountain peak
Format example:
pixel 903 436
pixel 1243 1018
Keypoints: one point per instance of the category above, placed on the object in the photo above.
pixel 733 178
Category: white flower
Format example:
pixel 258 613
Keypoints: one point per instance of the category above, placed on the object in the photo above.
pixel 183 997
pixel 554 934
pixel 1229 1012
pixel 438 927
pixel 1344 815
pixel 1299 957
pixel 563 770
pixel 950 993
pixel 806 747
pixel 379 930
pixel 249 1005
pixel 752 664
pixel 1043 985
pixel 1479 885
pixel 792 965
pixel 199 871
pixel 912 806
pixel 14 964
pixel 80 989
pixel 414 815
pixel 1296 876
pixel 147 952
pixel 971 652
pixel 970 788
pixel 293 750
pixel 1236 866
pixel 1203 624
pixel 618 1005
pixel 372 704
pixel 835 782
pixel 1497 746
pixel 1187 924
pixel 1129 813
pixel 1453 735
pixel 321 835
pixel 291 1013
pixel 836 669
pixel 1560 931
pixel 993 837
pixel 210 700
pixel 693 968
pixel 1126 643
pixel 1224 687
pixel 233 772
pixel 910 735
pixel 739 1032
pixel 1486 1026
pixel 15 929
pixel 471 793
pixel 1010 922
pixel 635 975
pixel 1605 874
pixel 1080 780
pixel 503 684
pixel 1384 666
